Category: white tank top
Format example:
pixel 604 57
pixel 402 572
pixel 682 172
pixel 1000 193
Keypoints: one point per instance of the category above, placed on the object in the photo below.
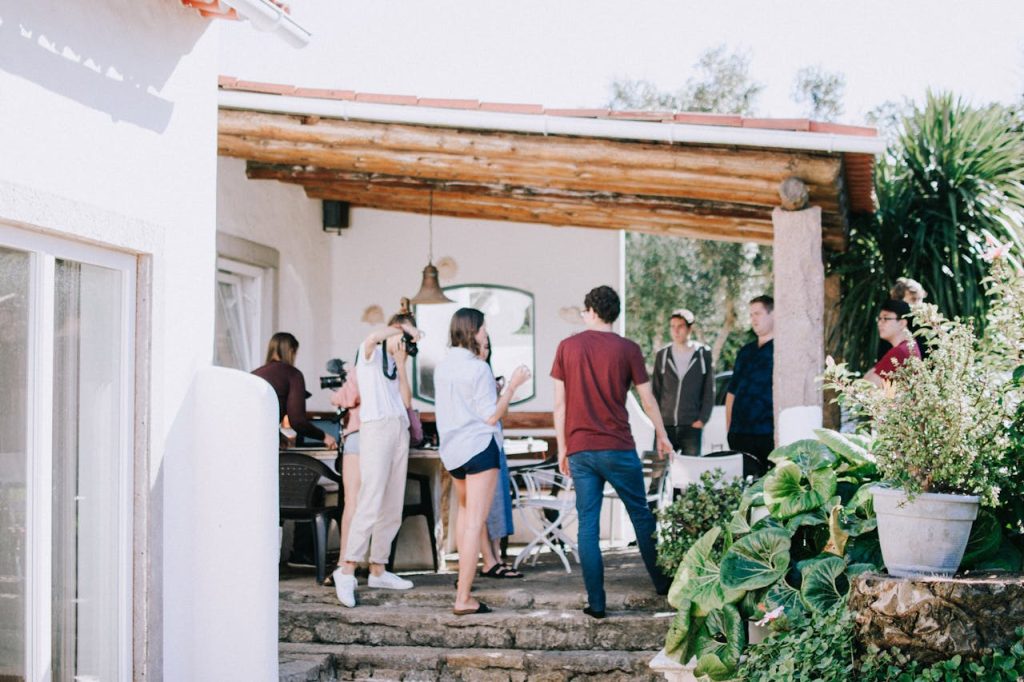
pixel 379 395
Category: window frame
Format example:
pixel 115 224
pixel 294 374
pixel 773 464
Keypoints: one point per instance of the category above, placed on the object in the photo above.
pixel 44 250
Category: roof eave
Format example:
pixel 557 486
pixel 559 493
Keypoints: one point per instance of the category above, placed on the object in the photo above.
pixel 546 124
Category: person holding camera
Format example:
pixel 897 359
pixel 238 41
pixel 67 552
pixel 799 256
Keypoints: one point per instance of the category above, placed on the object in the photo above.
pixel 468 411
pixel 385 396
pixel 290 386
pixel 347 398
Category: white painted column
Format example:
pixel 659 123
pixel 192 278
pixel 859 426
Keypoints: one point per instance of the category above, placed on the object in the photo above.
pixel 799 323
pixel 220 479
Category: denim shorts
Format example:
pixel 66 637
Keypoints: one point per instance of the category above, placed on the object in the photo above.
pixel 490 458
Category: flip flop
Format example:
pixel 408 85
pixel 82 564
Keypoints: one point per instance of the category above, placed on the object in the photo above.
pixel 501 571
pixel 481 608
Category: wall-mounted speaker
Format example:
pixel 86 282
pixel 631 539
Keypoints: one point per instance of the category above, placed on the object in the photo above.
pixel 335 216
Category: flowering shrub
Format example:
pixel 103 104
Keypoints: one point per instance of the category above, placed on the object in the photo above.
pixel 942 424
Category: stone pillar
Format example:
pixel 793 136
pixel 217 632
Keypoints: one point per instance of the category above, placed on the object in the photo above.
pixel 799 322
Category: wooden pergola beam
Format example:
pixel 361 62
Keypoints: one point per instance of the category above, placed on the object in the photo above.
pixel 445 167
pixel 702 191
pixel 752 164
pixel 660 215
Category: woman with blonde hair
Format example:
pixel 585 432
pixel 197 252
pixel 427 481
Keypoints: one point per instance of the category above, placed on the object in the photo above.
pixel 385 396
pixel 468 410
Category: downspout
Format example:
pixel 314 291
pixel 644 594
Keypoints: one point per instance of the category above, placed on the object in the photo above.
pixel 266 16
pixel 550 125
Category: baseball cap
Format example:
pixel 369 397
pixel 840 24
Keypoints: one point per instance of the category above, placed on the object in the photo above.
pixel 685 314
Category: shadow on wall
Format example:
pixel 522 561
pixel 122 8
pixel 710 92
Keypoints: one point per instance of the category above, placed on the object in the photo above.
pixel 114 57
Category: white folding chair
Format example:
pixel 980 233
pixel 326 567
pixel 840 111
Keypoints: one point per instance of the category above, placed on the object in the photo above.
pixel 548 501
pixel 687 470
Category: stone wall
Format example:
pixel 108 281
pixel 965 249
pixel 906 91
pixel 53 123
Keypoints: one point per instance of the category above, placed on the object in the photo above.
pixel 932 619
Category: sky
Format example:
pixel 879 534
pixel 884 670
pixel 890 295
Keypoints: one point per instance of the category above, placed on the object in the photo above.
pixel 565 53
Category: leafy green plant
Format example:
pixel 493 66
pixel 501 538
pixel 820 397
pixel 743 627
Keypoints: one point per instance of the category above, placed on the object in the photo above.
pixel 940 423
pixel 816 647
pixel 701 506
pixel 798 560
pixel 820 647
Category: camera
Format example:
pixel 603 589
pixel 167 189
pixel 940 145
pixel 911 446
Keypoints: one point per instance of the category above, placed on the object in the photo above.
pixel 336 374
pixel 410 345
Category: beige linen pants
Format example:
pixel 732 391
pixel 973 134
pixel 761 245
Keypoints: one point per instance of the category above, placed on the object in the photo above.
pixel 383 461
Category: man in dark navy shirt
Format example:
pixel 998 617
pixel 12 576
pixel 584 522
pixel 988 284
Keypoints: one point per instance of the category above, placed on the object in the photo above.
pixel 749 411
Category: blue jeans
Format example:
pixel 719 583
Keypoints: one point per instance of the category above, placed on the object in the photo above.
pixel 622 469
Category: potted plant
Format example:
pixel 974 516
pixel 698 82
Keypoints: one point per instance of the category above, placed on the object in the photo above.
pixel 941 428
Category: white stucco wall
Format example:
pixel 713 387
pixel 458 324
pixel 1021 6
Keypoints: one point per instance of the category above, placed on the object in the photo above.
pixel 108 131
pixel 280 216
pixel 327 281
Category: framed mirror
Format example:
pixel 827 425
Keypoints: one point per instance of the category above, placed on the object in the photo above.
pixel 509 316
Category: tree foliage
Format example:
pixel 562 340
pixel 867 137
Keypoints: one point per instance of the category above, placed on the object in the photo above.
pixel 713 279
pixel 820 92
pixel 953 177
pixel 721 84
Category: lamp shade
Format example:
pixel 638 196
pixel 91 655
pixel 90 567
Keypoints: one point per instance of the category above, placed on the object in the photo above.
pixel 430 290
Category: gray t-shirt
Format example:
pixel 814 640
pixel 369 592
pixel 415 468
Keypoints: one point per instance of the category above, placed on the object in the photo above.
pixel 682 358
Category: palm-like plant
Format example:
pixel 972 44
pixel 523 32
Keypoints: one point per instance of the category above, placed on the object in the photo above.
pixel 954 177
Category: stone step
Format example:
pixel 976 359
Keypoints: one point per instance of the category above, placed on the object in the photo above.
pixel 305 666
pixel 429 664
pixel 504 629
pixel 505 594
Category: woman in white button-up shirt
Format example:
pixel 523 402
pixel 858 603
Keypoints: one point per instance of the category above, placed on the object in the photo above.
pixel 468 411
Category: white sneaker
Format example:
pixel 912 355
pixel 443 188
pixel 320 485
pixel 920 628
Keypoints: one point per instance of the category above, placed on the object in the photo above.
pixel 345 587
pixel 389 581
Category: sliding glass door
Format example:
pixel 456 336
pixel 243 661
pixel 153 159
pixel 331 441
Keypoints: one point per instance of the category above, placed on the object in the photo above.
pixel 66 414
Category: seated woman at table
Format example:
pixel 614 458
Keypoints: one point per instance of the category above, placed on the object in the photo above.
pixel 468 410
pixel 385 396
pixel 290 386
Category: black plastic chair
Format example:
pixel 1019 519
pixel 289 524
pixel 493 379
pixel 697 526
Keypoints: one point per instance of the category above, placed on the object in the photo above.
pixel 425 508
pixel 299 475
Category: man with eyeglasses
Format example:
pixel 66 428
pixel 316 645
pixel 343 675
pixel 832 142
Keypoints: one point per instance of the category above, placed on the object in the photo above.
pixel 892 327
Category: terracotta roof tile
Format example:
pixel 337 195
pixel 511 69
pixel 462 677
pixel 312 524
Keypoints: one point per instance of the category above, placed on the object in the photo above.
pixel 257 86
pixel 842 129
pixel 579 113
pixel 796 124
pixel 377 98
pixel 324 93
pixel 641 115
pixel 442 103
pixel 705 119
pixel 512 108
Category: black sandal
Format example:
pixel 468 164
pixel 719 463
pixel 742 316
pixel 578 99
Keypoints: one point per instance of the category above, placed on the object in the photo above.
pixel 500 570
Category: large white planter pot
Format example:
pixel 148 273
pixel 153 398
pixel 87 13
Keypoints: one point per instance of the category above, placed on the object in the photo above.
pixel 671 670
pixel 926 537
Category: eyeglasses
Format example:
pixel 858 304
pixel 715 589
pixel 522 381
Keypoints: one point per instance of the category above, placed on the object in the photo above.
pixel 883 318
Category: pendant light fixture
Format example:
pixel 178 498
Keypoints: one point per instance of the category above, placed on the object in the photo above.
pixel 430 289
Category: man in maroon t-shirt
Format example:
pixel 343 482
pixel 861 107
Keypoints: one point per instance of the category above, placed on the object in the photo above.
pixel 593 371
pixel 892 327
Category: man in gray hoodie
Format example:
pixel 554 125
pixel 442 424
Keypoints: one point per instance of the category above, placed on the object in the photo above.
pixel 684 385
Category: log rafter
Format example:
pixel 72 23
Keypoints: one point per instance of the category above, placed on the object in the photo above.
pixel 697 191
